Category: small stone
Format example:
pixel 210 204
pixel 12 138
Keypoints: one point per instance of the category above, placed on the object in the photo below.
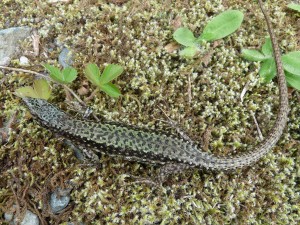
pixel 24 61
pixel 9 41
pixel 8 217
pixel 29 219
pixel 5 61
pixel 59 199
pixel 65 58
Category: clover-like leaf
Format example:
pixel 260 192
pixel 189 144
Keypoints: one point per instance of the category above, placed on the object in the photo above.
pixel 111 90
pixel 222 25
pixel 268 70
pixel 184 36
pixel 294 6
pixel 65 76
pixel 26 92
pixel 293 80
pixel 253 55
pixel 188 52
pixel 69 74
pixel 291 62
pixel 40 89
pixel 92 73
pixel 54 72
pixel 267 48
pixel 110 72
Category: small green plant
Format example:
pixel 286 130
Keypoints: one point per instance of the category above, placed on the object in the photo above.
pixel 102 81
pixel 65 76
pixel 40 89
pixel 294 6
pixel 267 71
pixel 219 27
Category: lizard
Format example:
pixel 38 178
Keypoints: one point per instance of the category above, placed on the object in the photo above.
pixel 155 147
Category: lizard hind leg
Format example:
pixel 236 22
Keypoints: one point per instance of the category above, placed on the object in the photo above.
pixel 171 168
pixel 164 172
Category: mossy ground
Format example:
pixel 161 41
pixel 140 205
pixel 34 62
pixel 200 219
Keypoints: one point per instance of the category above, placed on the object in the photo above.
pixel 135 34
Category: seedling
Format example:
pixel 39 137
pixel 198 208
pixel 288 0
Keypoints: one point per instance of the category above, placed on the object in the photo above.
pixel 40 89
pixel 219 27
pixel 267 71
pixel 102 81
pixel 65 76
pixel 294 6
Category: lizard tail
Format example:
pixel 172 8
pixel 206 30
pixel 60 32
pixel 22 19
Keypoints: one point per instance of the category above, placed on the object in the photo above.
pixel 275 133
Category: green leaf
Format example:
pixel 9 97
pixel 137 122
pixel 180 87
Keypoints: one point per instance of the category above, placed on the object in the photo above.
pixel 26 92
pixel 40 89
pixel 92 73
pixel 293 80
pixel 52 69
pixel 184 36
pixel 69 74
pixel 54 72
pixel 294 6
pixel 188 52
pixel 253 55
pixel 111 90
pixel 267 48
pixel 291 62
pixel 222 25
pixel 65 76
pixel 110 72
pixel 268 70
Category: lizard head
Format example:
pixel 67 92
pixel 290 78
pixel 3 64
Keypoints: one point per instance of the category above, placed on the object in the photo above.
pixel 42 109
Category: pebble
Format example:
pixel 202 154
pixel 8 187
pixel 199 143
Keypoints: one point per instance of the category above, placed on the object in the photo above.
pixel 65 58
pixel 9 42
pixel 59 199
pixel 29 219
pixel 5 61
pixel 24 61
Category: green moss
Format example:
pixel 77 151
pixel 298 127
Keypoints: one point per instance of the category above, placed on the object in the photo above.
pixel 134 35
